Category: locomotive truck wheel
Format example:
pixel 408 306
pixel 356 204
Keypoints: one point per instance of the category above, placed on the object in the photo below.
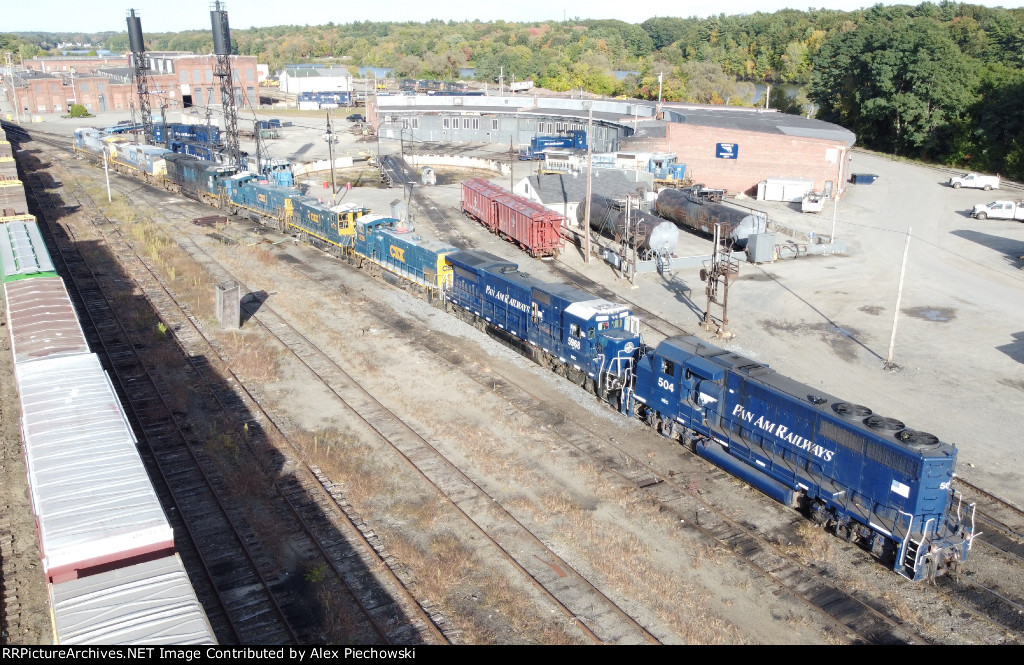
pixel 981 215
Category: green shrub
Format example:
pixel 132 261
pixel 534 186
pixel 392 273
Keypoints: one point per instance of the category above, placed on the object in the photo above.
pixel 79 111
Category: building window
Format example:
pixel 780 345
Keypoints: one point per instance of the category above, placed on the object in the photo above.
pixel 85 87
pixel 465 123
pixel 445 123
pixel 41 107
pixel 414 123
pixel 184 76
pixel 251 94
pixel 494 124
pixel 197 76
pixel 209 95
pixel 101 87
pixel 209 76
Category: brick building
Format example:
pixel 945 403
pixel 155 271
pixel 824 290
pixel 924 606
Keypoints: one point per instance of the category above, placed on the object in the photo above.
pixel 176 80
pixel 735 148
pixel 81 64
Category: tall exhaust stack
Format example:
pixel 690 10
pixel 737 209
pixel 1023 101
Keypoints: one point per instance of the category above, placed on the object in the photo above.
pixel 138 47
pixel 222 49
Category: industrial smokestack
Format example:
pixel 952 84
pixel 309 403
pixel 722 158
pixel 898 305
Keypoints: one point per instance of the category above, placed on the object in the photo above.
pixel 135 33
pixel 221 31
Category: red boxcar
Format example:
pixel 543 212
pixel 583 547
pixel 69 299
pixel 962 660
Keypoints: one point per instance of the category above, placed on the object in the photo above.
pixel 478 201
pixel 530 225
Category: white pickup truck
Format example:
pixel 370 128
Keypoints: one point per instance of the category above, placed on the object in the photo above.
pixel 975 180
pixel 999 210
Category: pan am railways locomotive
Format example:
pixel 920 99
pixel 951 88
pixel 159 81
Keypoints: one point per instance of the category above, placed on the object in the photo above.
pixel 870 479
pixel 592 342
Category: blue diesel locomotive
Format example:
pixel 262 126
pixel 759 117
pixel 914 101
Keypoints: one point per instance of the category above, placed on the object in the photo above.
pixel 592 342
pixel 392 245
pixel 870 478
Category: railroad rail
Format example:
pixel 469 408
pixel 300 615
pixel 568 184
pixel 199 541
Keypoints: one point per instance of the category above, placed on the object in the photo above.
pixel 597 615
pixel 299 491
pixel 394 173
pixel 239 576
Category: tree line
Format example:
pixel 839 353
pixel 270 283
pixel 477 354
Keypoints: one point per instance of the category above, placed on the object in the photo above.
pixel 934 81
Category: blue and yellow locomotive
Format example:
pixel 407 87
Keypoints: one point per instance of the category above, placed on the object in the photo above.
pixel 387 242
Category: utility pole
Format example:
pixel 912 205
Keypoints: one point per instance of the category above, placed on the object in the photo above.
pixel 106 173
pixel 590 175
pixel 163 117
pixel 511 161
pixel 14 89
pixel 624 245
pixel 660 74
pixel 501 81
pixel 889 364
pixel 330 151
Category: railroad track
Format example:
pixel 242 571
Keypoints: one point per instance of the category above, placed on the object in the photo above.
pixel 597 615
pixel 865 626
pixel 309 496
pixel 994 587
pixel 238 575
pixel 847 614
pixel 395 173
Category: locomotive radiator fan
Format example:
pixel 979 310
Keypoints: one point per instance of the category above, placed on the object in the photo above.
pixel 851 411
pixel 917 440
pixel 881 422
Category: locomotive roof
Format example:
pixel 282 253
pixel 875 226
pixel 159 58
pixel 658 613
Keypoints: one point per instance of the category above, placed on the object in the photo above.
pixel 681 350
pixel 474 258
pixel 589 309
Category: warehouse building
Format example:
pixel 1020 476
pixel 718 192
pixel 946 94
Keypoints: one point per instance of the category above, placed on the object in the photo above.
pixel 726 147
pixel 296 79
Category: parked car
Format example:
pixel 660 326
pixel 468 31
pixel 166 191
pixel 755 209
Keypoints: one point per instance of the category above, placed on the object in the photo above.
pixel 356 117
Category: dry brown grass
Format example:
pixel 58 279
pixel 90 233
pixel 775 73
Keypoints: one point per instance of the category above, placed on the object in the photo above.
pixel 416 526
pixel 252 355
pixel 814 544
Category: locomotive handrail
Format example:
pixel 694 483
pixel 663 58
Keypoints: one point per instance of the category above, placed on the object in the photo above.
pixel 906 537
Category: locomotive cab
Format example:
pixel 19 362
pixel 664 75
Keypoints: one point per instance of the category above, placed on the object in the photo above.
pixel 679 390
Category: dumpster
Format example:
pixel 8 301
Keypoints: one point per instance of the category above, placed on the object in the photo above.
pixel 863 178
